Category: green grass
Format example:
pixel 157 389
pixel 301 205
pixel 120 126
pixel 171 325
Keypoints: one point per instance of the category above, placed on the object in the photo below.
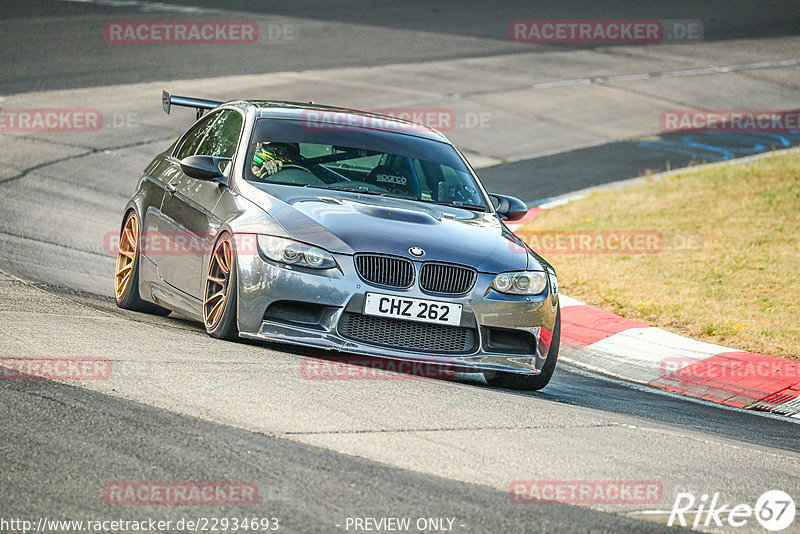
pixel 737 287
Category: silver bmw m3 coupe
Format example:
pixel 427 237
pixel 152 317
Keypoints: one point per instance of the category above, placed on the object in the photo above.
pixel 340 230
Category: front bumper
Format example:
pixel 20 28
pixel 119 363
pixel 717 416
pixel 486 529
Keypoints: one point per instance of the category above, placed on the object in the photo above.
pixel 267 291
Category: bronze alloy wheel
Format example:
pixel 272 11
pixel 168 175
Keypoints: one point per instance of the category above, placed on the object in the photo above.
pixel 126 256
pixel 218 283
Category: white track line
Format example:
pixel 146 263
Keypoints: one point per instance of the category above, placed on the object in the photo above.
pixel 552 202
pixel 704 71
pixel 147 7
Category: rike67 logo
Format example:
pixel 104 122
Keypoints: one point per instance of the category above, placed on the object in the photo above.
pixel 774 510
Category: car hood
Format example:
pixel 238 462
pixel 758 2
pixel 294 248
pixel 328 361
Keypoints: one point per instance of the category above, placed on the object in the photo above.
pixel 349 223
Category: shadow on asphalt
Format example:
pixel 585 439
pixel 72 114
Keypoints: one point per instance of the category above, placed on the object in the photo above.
pixel 573 386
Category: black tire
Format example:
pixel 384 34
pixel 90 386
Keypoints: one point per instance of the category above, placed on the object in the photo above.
pixel 227 327
pixel 535 382
pixel 129 298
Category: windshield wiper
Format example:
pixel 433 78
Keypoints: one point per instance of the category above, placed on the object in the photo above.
pixel 457 204
pixel 363 190
pixel 367 191
pixel 295 184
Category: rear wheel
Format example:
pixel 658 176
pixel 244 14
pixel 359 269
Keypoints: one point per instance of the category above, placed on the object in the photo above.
pixel 535 382
pixel 126 273
pixel 219 297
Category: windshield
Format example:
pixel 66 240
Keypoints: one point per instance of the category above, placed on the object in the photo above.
pixel 293 152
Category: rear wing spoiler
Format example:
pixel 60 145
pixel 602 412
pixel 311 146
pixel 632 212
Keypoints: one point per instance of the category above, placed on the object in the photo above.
pixel 199 104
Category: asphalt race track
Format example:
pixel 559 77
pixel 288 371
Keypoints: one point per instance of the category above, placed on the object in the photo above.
pixel 180 406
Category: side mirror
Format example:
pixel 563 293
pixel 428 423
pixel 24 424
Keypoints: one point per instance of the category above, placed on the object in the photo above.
pixel 204 168
pixel 510 208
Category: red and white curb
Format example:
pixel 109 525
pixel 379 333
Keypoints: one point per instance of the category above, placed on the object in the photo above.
pixel 605 342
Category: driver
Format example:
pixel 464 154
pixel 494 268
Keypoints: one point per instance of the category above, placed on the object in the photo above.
pixel 269 157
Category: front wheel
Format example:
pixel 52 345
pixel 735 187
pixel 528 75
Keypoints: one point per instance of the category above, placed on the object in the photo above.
pixel 535 382
pixel 219 298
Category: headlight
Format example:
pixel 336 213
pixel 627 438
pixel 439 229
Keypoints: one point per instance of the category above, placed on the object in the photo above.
pixel 287 251
pixel 520 283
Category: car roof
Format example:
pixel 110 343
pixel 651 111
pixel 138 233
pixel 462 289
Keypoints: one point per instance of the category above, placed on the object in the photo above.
pixel 339 117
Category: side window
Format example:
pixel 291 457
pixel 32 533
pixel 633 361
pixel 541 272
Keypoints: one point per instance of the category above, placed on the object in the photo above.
pixel 223 136
pixel 195 136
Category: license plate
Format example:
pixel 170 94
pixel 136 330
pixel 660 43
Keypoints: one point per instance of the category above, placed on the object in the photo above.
pixel 426 311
